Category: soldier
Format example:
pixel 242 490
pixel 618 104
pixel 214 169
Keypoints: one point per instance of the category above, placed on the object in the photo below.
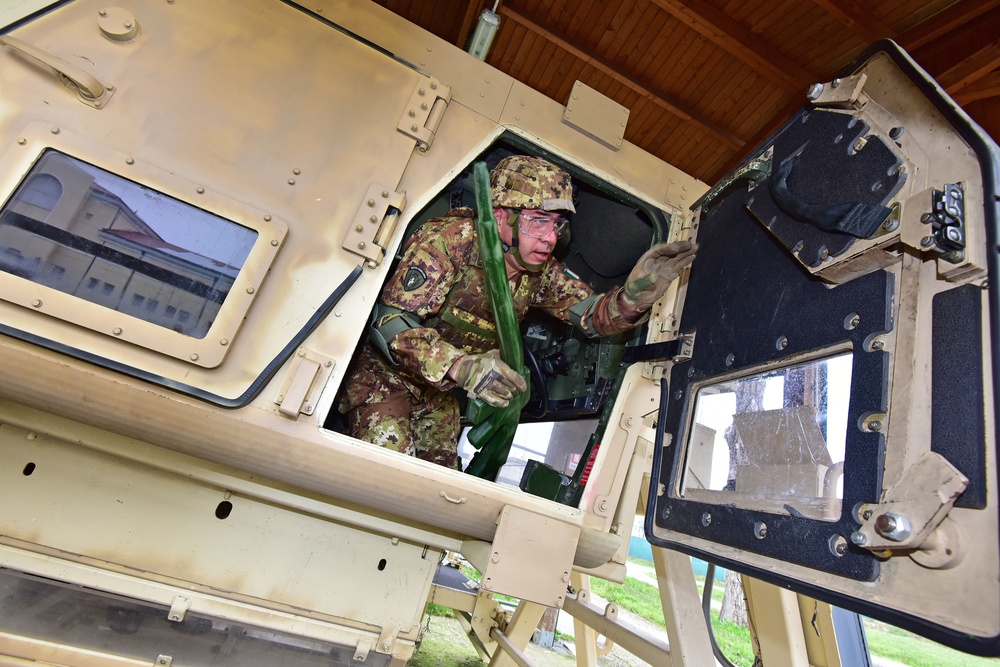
pixel 433 329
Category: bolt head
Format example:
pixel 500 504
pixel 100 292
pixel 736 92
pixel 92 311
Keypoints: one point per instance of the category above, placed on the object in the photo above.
pixel 859 538
pixel 814 91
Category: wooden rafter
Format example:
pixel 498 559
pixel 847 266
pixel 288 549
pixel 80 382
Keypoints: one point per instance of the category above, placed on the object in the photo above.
pixel 471 12
pixel 726 33
pixel 971 69
pixel 858 19
pixel 945 21
pixel 986 87
pixel 674 106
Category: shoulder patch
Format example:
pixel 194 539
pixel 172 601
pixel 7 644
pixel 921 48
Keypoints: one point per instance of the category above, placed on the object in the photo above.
pixel 414 278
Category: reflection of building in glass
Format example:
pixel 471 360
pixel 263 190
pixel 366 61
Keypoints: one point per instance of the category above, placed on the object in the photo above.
pixel 63 230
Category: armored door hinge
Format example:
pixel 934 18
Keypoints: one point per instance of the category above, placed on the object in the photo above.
pixel 842 93
pixel 374 223
pixel 424 112
pixel 913 508
pixel 303 384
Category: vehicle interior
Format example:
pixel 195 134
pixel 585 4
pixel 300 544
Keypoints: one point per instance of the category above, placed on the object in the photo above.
pixel 573 377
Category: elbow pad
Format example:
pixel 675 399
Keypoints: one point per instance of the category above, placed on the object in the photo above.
pixel 386 322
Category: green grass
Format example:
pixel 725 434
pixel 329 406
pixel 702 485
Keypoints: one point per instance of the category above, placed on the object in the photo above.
pixel 892 643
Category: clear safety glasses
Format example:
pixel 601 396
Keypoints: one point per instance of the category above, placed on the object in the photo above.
pixel 540 224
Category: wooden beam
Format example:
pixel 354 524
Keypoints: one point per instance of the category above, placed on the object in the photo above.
pixel 970 70
pixel 726 33
pixel 672 105
pixel 986 87
pixel 858 19
pixel 947 20
pixel 471 13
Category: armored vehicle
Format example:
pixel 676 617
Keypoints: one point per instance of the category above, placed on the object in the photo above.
pixel 201 202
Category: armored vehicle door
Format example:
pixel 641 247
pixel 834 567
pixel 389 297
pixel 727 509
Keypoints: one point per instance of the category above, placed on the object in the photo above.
pixel 830 425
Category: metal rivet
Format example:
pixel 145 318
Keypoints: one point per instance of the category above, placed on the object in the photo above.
pixel 128 24
pixel 194 356
pixel 434 86
pixel 296 171
pixel 385 194
pixel 361 245
pixel 302 353
pixel 37 303
pixel 371 202
pixel 129 160
pixel 413 128
pixel 200 190
pixel 22 141
pixel 102 12
pixel 336 313
pixel 267 217
pixel 781 343
pixel 877 345
pixel 117 331
pixel 423 106
pixel 54 130
pixel 224 342
pixel 359 228
pixel 411 113
pixel 706 519
pixel 274 242
pixel 373 219
pixel 291 181
pixel 421 92
pixel 760 530
pixel 874 425
pixel 250 290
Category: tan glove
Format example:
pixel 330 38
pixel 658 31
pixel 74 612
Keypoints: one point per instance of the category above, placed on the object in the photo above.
pixel 655 270
pixel 485 376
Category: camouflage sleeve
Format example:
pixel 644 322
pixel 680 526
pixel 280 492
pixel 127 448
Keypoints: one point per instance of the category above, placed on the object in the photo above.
pixel 420 284
pixel 604 315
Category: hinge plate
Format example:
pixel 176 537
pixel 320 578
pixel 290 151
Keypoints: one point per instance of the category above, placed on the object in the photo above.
pixel 424 112
pixel 374 222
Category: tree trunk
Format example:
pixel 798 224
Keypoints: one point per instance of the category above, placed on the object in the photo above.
pixel 734 605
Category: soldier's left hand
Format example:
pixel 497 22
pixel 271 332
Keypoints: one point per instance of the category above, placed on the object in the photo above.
pixel 655 270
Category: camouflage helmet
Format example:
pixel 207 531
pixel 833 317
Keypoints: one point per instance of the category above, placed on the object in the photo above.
pixel 522 181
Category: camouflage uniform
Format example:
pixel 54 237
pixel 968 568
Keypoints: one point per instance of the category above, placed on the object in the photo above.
pixel 408 407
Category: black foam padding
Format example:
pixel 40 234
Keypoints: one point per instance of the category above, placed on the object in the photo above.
pixel 828 172
pixel 745 292
pixel 601 257
pixel 958 420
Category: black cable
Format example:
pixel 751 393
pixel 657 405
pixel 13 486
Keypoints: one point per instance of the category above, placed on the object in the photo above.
pixel 706 607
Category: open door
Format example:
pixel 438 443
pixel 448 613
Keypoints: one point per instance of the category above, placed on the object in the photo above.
pixel 833 430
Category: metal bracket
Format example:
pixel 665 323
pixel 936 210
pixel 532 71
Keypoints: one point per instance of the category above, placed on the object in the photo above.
pixel 839 93
pixel 375 223
pixel 362 649
pixel 424 112
pixel 947 221
pixel 914 507
pixel 302 386
pixel 178 609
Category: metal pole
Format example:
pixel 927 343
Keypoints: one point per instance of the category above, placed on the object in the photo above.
pixel 501 639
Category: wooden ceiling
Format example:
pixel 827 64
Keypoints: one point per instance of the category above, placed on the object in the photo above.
pixel 707 80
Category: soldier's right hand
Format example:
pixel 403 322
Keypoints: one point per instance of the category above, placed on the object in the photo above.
pixel 486 377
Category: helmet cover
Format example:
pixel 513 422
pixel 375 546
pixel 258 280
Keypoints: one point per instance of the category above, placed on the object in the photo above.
pixel 522 181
